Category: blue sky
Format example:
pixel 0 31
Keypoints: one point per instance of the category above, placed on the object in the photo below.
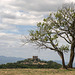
pixel 17 17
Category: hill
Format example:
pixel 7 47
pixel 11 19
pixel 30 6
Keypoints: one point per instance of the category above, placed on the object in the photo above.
pixel 4 59
pixel 34 62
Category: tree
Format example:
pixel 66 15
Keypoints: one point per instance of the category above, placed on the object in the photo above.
pixel 56 25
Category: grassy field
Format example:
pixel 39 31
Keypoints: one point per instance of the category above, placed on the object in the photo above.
pixel 37 72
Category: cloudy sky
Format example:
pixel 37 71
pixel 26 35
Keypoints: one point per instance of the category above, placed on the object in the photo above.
pixel 17 17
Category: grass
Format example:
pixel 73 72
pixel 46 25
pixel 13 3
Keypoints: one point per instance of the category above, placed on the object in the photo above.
pixel 37 72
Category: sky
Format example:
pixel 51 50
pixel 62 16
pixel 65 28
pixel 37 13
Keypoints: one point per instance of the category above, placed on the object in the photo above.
pixel 17 17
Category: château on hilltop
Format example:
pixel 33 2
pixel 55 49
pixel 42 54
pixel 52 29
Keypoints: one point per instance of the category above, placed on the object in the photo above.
pixel 34 60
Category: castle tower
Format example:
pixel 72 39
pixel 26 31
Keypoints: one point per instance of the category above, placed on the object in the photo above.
pixel 35 58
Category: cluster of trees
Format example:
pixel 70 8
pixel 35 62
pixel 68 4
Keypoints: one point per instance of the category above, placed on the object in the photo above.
pixel 31 61
pixel 50 64
pixel 60 24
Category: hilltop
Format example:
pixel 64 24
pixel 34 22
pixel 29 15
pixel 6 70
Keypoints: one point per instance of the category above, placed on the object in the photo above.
pixel 34 62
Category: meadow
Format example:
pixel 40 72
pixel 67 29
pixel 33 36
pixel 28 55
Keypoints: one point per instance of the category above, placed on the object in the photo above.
pixel 37 72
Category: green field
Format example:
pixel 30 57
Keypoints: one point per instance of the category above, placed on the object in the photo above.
pixel 37 72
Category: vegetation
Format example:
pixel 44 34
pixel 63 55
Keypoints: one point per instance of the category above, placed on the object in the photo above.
pixel 36 72
pixel 57 25
pixel 29 63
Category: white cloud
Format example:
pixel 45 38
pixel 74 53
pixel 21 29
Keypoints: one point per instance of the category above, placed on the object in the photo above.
pixel 26 12
pixel 20 18
pixel 9 40
pixel 38 5
pixel 11 10
pixel 7 27
pixel 68 1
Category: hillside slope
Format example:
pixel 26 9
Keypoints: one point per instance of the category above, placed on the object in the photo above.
pixel 4 60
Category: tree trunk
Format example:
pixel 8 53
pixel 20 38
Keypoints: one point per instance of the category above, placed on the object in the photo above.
pixel 70 64
pixel 62 57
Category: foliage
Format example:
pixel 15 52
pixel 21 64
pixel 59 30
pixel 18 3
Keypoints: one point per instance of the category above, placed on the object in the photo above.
pixel 19 64
pixel 59 24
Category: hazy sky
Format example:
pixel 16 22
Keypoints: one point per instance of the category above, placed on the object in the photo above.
pixel 17 17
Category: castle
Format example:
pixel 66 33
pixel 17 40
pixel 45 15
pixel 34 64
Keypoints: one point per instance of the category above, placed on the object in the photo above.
pixel 35 58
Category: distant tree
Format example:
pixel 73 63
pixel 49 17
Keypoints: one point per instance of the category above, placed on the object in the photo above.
pixel 56 25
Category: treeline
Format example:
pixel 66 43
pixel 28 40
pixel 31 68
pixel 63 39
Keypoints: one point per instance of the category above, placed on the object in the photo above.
pixel 50 64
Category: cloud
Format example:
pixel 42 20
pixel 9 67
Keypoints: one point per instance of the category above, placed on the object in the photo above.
pixel 7 40
pixel 38 5
pixel 26 12
pixel 7 27
pixel 20 18
pixel 68 1
pixel 22 11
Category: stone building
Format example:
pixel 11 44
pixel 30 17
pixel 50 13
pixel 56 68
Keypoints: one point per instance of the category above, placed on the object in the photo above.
pixel 35 58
